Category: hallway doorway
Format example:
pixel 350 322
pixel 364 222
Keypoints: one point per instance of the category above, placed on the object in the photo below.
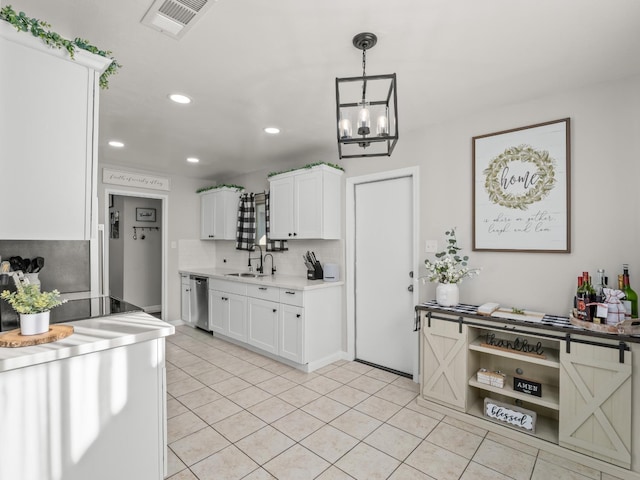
pixel 134 249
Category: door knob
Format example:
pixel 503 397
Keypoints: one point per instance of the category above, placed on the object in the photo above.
pixel 410 288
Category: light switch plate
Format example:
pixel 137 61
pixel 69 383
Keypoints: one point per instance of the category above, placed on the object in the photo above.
pixel 431 246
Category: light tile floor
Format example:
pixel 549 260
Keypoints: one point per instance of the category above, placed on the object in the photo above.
pixel 234 414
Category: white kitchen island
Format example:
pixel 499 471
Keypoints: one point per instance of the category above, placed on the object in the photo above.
pixel 90 406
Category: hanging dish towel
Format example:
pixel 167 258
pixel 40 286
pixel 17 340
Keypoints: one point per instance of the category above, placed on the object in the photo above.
pixel 246 224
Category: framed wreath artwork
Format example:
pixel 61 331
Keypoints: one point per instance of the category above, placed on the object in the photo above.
pixel 521 189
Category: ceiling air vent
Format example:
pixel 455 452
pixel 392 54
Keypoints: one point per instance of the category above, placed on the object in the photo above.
pixel 175 17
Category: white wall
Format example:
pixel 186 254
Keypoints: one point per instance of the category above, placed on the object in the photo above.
pixel 605 227
pixel 605 167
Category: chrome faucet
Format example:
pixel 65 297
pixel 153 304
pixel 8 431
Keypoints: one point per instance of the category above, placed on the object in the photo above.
pixel 273 267
pixel 261 267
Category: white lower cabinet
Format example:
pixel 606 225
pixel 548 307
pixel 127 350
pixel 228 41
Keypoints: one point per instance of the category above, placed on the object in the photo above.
pixel 291 328
pixel 263 324
pixel 300 326
pixel 228 309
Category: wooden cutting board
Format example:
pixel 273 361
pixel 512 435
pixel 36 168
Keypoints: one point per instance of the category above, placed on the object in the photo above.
pixel 14 339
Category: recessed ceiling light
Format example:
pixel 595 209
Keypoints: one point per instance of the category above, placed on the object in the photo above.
pixel 179 98
pixel 193 160
pixel 272 130
pixel 116 143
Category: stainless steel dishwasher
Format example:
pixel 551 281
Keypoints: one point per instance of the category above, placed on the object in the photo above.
pixel 199 302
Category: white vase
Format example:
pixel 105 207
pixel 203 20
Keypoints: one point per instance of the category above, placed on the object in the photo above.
pixel 34 323
pixel 447 294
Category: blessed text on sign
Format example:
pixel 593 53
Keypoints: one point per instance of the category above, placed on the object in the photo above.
pixel 514 416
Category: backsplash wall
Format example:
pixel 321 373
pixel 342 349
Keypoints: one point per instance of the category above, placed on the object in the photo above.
pixel 209 254
pixel 67 265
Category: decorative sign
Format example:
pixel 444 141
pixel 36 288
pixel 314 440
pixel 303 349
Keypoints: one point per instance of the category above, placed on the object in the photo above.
pixel 131 179
pixel 520 345
pixel 521 189
pixel 527 386
pixel 145 214
pixel 514 416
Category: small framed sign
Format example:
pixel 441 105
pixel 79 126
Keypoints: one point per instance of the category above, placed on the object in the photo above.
pixel 513 416
pixel 145 214
pixel 527 386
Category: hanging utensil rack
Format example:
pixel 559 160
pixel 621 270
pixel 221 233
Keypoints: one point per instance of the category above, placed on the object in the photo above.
pixel 142 229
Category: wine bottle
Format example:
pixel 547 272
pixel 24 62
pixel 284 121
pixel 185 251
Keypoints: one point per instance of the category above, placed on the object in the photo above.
pixel 601 285
pixel 629 294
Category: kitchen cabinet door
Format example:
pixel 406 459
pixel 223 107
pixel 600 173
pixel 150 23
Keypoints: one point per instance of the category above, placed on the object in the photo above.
pixel 228 314
pixel 443 353
pixel 185 310
pixel 596 402
pixel 291 331
pixel 262 318
pixel 281 211
pixel 48 133
pixel 306 204
pixel 218 312
pixel 237 320
pixel 218 214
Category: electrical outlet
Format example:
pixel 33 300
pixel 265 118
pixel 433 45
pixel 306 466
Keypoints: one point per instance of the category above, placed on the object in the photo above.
pixel 431 246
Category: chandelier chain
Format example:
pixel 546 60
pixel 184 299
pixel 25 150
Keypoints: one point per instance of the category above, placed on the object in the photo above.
pixel 364 82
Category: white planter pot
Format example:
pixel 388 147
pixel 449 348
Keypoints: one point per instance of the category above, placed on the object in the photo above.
pixel 447 294
pixel 34 323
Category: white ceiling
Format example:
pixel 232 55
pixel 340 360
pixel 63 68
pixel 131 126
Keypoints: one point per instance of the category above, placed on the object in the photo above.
pixel 249 64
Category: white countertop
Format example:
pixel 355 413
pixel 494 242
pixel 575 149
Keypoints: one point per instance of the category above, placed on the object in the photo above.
pixel 277 280
pixel 91 335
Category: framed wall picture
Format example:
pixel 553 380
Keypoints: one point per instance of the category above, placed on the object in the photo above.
pixel 145 214
pixel 521 189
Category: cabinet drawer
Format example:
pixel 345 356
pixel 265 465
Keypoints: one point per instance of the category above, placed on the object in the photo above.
pixel 184 280
pixel 266 293
pixel 226 286
pixel 291 297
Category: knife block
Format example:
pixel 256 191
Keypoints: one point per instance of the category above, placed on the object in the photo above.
pixel 316 273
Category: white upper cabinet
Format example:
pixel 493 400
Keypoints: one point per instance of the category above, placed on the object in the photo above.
pixel 306 204
pixel 219 213
pixel 48 133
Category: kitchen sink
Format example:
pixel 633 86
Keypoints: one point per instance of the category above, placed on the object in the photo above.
pixel 246 275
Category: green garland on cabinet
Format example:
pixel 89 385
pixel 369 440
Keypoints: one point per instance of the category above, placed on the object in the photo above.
pixel 310 165
pixel 213 187
pixel 40 29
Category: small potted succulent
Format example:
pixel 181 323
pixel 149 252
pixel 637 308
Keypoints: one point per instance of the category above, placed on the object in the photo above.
pixel 33 306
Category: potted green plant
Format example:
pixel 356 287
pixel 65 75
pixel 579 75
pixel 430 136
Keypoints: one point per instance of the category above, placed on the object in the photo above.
pixel 449 269
pixel 33 306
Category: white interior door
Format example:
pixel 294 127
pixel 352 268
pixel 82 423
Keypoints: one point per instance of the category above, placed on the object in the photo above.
pixel 383 263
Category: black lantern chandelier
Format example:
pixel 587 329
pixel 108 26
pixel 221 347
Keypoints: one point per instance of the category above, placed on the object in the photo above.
pixel 361 101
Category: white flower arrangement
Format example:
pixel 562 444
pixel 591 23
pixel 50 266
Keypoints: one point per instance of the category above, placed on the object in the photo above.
pixel 449 267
